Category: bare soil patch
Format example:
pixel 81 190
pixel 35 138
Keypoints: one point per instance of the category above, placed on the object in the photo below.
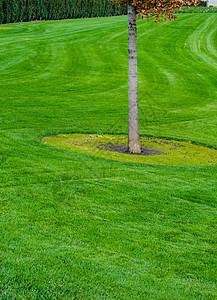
pixel 122 148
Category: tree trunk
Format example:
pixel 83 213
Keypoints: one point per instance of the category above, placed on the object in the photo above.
pixel 133 117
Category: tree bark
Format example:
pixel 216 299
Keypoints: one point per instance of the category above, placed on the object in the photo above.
pixel 133 117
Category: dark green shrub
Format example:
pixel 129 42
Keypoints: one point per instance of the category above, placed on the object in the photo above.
pixel 29 10
pixel 198 9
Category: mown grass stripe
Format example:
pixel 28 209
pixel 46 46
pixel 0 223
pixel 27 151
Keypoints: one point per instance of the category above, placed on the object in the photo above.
pixel 77 226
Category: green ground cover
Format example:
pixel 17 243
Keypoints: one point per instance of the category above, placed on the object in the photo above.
pixel 155 151
pixel 76 226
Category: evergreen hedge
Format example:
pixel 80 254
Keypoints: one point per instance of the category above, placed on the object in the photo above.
pixel 30 10
pixel 198 9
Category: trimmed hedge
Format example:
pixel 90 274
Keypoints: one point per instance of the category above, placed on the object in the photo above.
pixel 30 10
pixel 199 9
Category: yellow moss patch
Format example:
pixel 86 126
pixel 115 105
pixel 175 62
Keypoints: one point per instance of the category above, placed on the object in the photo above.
pixel 164 152
pixel 5 27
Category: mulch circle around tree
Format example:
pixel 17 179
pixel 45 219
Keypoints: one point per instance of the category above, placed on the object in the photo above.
pixel 122 148
pixel 158 151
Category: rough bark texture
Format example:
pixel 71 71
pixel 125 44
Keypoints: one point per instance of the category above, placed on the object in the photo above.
pixel 133 118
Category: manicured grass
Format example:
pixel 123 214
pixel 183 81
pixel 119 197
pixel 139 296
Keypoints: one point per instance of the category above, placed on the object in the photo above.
pixel 75 226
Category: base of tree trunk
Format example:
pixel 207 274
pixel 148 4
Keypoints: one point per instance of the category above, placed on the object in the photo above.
pixel 134 149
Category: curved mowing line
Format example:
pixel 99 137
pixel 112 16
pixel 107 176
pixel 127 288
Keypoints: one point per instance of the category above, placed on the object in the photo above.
pixel 72 75
pixel 210 42
pixel 201 42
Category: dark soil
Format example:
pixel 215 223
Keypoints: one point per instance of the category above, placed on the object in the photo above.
pixel 122 148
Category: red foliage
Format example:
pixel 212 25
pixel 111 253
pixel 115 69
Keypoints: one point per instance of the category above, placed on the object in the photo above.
pixel 160 9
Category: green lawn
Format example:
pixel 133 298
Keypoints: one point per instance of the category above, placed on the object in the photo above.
pixel 74 226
